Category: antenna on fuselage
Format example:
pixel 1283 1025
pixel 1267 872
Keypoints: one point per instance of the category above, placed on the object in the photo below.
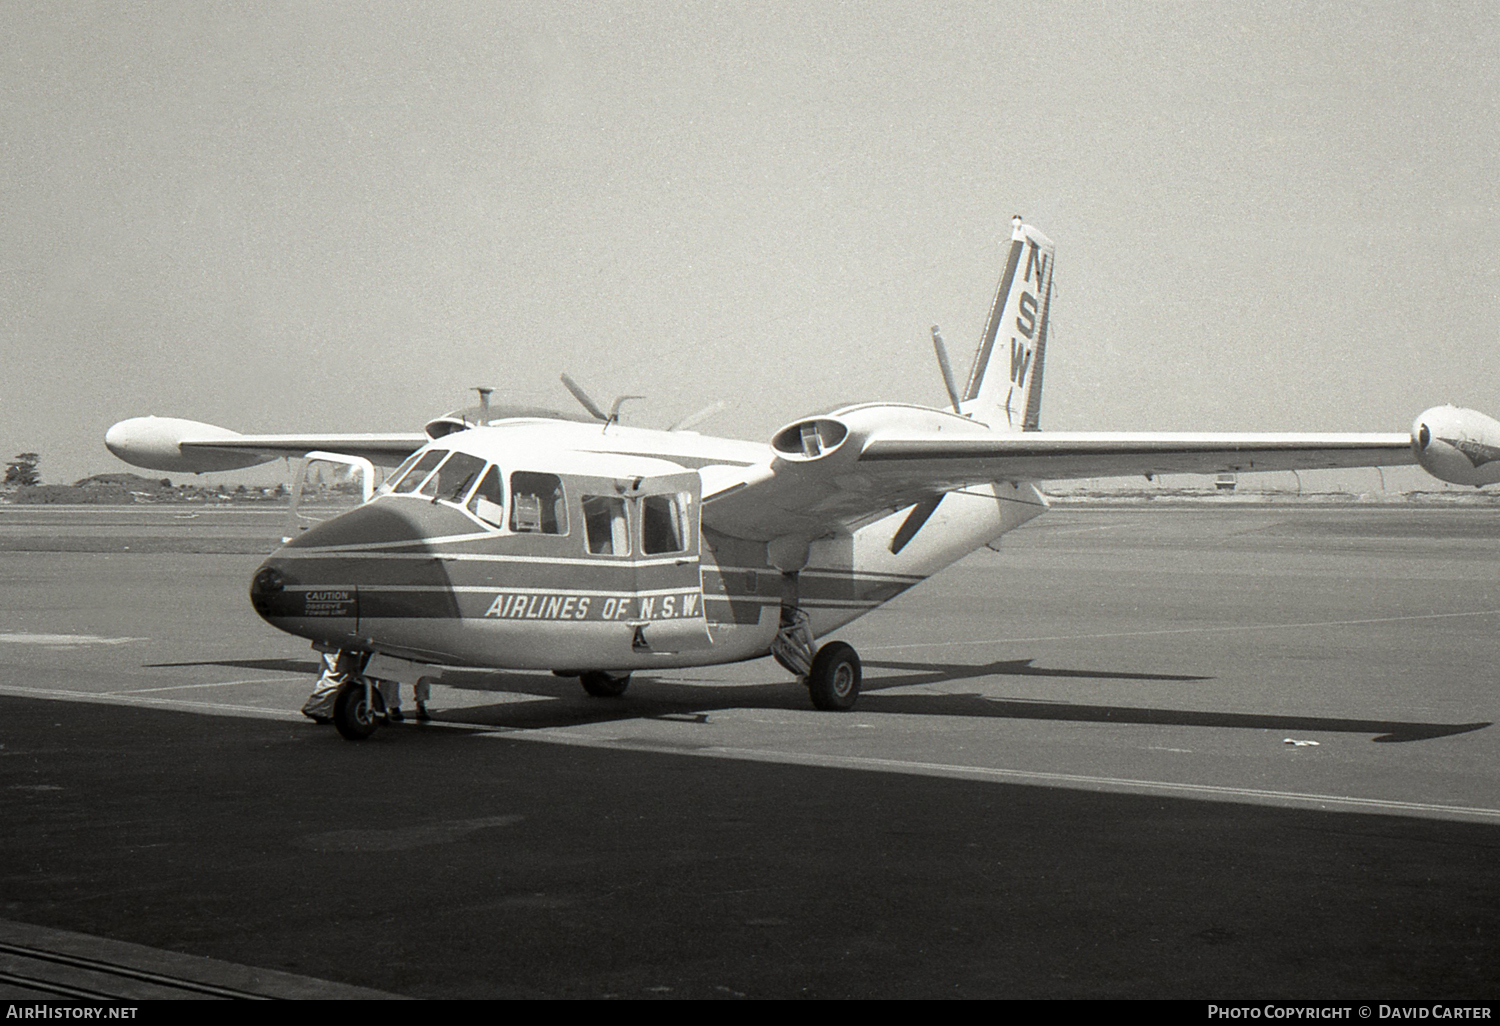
pixel 612 417
pixel 484 404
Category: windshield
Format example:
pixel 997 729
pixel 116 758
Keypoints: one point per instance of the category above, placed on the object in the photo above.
pixel 456 475
pixel 418 473
pixel 395 475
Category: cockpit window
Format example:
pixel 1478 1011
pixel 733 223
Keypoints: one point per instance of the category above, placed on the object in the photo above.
pixel 663 523
pixel 415 476
pixel 395 475
pixel 457 475
pixel 536 503
pixel 488 502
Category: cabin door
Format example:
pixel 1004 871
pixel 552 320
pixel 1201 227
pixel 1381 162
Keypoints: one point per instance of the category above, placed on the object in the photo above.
pixel 665 515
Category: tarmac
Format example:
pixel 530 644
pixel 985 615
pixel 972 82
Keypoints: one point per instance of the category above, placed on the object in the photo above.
pixel 1189 752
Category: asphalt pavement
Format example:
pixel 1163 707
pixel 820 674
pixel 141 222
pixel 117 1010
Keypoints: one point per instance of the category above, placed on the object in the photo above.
pixel 1136 753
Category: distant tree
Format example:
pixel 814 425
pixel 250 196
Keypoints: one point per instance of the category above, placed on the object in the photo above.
pixel 22 470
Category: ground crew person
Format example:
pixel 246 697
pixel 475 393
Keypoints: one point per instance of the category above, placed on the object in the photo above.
pixel 338 667
pixel 341 667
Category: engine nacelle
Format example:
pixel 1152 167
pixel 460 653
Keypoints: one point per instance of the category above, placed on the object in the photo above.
pixel 1457 445
pixel 813 439
pixel 154 443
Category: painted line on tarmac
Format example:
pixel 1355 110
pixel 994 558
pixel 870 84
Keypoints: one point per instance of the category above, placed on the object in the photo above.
pixel 215 684
pixel 116 698
pixel 66 640
pixel 215 708
pixel 1182 630
pixel 1073 781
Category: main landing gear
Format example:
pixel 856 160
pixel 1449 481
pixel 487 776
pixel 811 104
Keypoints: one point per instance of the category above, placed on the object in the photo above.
pixel 604 685
pixel 832 673
pixel 599 683
pixel 833 679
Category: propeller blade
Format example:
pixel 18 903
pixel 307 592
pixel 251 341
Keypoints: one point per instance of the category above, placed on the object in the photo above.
pixel 583 397
pixel 942 357
pixel 614 410
pixel 699 417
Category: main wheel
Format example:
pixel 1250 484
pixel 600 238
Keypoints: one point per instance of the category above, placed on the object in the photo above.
pixel 833 680
pixel 604 685
pixel 352 714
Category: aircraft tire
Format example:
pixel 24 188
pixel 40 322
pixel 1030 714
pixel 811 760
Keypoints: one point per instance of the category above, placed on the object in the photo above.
pixel 352 714
pixel 604 685
pixel 833 681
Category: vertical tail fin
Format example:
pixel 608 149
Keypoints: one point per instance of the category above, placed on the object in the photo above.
pixel 1017 329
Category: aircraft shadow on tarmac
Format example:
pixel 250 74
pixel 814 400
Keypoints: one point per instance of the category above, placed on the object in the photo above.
pixel 932 673
pixel 561 703
pixel 1023 709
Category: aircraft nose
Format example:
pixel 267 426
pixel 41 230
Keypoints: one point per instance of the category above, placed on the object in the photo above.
pixel 267 588
pixel 305 600
pixel 340 580
pixel 375 523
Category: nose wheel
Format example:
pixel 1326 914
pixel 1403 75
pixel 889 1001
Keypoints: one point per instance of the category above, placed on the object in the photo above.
pixel 357 709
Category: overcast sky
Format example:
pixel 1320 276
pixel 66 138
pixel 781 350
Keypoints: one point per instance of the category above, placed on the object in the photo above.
pixel 321 217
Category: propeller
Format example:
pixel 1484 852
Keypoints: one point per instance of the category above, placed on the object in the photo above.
pixel 942 357
pixel 699 417
pixel 612 417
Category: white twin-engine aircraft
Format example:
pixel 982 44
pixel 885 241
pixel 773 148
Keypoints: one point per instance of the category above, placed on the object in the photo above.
pixel 526 539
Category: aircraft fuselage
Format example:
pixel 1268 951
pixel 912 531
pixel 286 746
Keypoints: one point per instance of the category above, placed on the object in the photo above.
pixel 594 557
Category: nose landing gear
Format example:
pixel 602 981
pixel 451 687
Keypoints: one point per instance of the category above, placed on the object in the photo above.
pixel 358 709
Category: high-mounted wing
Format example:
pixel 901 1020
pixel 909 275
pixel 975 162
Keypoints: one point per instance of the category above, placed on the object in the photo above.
pixel 861 463
pixel 167 443
pixel 1046 456
pixel 858 464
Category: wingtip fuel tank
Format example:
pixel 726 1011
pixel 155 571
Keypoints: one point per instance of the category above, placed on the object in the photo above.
pixel 1457 445
pixel 156 444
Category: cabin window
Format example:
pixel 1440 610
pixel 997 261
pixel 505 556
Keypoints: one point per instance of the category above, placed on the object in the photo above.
pixel 604 523
pixel 664 523
pixel 488 502
pixel 456 476
pixel 537 505
pixel 417 474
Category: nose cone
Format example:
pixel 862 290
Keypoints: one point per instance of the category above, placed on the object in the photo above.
pixel 292 599
pixel 312 586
